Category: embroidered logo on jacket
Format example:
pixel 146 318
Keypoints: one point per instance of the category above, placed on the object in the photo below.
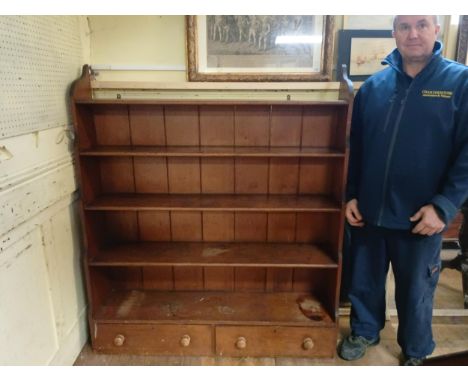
pixel 437 93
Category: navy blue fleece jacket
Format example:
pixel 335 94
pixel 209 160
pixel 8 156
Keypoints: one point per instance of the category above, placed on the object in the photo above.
pixel 409 142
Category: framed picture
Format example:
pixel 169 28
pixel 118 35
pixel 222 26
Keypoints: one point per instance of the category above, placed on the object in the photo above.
pixel 363 50
pixel 462 41
pixel 259 48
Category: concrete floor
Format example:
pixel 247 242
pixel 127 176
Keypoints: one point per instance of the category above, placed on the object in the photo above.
pixel 450 327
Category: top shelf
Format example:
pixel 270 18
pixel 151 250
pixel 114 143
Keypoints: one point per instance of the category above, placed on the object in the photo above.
pixel 207 102
pixel 212 151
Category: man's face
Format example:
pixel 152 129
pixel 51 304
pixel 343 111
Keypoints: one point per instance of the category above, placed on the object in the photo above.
pixel 415 37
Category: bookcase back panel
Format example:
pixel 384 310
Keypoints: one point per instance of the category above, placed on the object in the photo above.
pixel 112 125
pixel 158 278
pixel 188 278
pixel 154 225
pixel 182 125
pixel 251 226
pixel 286 126
pixel 217 125
pixel 121 227
pixel 151 175
pixel 279 280
pixel 219 278
pixel 147 125
pixel 251 176
pixel 281 227
pixel 117 175
pixel 252 125
pixel 319 127
pixel 214 125
pixel 84 124
pixel 283 175
pixel 183 175
pixel 90 177
pixel 185 226
pixel 193 175
pixel 218 226
pixel 217 175
pixel 241 279
pixel 318 176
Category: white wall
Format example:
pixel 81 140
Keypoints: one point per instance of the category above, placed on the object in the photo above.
pixel 139 41
pixel 42 302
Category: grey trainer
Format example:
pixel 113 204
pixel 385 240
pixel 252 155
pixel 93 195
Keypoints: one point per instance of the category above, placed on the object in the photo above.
pixel 413 361
pixel 354 347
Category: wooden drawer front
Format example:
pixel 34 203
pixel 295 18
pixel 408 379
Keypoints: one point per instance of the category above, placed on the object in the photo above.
pixel 271 341
pixel 154 339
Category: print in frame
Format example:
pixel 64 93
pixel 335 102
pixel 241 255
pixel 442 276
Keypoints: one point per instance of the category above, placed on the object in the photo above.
pixel 363 50
pixel 259 48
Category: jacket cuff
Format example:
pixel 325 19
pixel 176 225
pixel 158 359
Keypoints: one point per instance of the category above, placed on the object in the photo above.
pixel 350 193
pixel 445 206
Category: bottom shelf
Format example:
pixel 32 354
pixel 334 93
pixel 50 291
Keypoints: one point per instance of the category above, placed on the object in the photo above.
pixel 234 324
pixel 148 306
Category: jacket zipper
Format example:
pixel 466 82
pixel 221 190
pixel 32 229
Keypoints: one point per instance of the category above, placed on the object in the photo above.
pixel 387 120
pixel 390 152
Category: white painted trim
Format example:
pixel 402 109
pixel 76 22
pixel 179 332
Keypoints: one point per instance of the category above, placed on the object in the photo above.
pixel 109 67
pixel 72 345
pixel 32 173
pixel 214 86
pixel 8 239
pixel 23 201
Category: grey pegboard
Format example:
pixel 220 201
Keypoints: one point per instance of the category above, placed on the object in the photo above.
pixel 39 58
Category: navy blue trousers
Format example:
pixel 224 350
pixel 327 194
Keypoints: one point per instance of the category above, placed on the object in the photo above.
pixel 415 262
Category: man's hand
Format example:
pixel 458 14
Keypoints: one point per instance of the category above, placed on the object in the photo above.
pixel 352 213
pixel 429 221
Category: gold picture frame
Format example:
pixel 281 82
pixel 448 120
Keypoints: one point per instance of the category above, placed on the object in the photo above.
pixel 259 48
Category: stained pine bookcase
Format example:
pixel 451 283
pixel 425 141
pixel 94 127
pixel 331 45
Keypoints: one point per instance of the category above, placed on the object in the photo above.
pixel 212 228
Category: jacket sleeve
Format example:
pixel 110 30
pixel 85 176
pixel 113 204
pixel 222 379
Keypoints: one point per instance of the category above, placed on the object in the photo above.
pixel 455 187
pixel 355 154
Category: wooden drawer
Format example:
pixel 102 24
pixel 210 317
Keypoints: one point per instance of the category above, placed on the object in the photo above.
pixel 271 341
pixel 154 339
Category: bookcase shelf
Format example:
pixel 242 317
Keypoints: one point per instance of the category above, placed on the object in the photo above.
pixel 212 151
pixel 200 202
pixel 214 255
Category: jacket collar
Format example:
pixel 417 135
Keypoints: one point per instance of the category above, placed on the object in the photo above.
pixel 394 59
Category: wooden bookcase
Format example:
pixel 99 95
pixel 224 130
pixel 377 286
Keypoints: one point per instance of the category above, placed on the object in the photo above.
pixel 212 227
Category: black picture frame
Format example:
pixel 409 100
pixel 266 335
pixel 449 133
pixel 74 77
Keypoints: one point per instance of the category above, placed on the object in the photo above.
pixel 345 38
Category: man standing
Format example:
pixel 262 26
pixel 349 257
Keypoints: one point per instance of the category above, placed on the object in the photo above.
pixel 408 176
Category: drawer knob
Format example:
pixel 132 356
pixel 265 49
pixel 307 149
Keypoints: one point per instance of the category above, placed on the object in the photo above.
pixel 308 343
pixel 241 343
pixel 119 340
pixel 185 340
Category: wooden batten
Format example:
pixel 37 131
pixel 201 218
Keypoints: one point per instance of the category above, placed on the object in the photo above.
pixel 222 86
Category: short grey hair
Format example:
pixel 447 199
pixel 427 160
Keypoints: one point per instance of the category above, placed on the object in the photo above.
pixel 435 18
